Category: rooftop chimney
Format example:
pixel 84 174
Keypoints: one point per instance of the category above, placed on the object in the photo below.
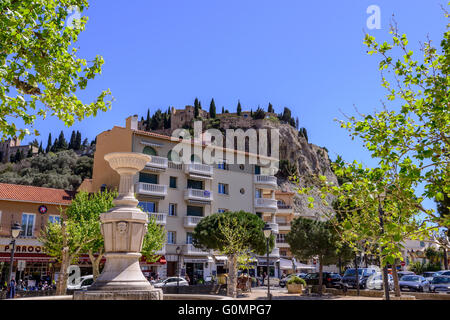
pixel 132 122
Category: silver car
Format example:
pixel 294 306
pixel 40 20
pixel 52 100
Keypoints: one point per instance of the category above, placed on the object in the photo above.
pixel 375 281
pixel 171 282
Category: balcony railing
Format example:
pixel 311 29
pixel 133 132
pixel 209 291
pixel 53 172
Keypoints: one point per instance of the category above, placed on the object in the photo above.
pixel 199 169
pixel 158 163
pixel 161 218
pixel 266 203
pixel 189 249
pixel 191 221
pixel 196 194
pixel 151 189
pixel 267 181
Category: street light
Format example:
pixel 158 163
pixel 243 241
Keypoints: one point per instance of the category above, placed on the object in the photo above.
pixel 178 250
pixel 15 231
pixel 267 233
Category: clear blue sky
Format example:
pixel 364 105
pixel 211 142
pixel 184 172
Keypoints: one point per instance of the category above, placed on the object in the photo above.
pixel 306 55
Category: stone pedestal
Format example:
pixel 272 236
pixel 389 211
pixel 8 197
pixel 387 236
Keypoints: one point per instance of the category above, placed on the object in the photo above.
pixel 123 230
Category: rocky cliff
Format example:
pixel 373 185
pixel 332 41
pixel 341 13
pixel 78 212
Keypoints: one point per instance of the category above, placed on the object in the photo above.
pixel 309 160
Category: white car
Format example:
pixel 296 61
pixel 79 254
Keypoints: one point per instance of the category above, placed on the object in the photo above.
pixel 375 281
pixel 83 284
pixel 171 282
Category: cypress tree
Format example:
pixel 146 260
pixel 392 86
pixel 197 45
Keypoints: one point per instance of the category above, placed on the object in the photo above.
pixel 270 108
pixel 77 144
pixel 62 143
pixel 72 140
pixel 30 152
pixel 54 146
pixel 212 109
pixel 41 150
pixel 85 143
pixel 297 123
pixel 239 108
pixel 49 143
pixel 223 110
pixel 196 108
pixel 147 122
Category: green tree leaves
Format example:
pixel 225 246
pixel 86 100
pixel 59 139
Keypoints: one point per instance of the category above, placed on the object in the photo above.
pixel 40 73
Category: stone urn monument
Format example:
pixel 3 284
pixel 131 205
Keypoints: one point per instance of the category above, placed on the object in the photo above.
pixel 123 229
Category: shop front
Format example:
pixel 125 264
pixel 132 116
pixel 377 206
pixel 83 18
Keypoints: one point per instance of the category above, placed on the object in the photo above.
pixel 274 267
pixel 198 269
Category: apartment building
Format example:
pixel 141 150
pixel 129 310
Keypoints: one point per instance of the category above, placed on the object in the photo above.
pixel 180 195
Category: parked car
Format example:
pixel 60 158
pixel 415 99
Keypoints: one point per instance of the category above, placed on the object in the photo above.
pixel 284 280
pixel 375 281
pixel 349 278
pixel 441 272
pixel 429 275
pixel 414 283
pixel 330 279
pixel 274 282
pixel 440 284
pixel 171 282
pixel 404 273
pixel 84 283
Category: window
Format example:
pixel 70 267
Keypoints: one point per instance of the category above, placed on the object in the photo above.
pixel 173 182
pixel 194 184
pixel 148 178
pixel 242 191
pixel 258 193
pixel 222 166
pixel 150 151
pixel 54 219
pixel 194 211
pixel 222 210
pixel 173 156
pixel 172 209
pixel 241 166
pixel 257 170
pixel 171 237
pixel 223 188
pixel 281 238
pixel 148 206
pixel 189 238
pixel 27 224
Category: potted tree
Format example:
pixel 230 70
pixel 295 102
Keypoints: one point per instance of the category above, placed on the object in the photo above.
pixel 295 285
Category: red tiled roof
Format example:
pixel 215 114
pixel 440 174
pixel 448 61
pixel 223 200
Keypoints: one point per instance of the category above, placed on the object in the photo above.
pixel 16 192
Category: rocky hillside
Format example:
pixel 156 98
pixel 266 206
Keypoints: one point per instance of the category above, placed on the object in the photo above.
pixel 307 160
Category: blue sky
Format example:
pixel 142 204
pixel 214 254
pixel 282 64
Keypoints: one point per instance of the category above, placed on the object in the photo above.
pixel 306 55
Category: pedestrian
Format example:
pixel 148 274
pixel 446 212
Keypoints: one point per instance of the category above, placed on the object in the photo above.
pixel 12 289
pixel 187 279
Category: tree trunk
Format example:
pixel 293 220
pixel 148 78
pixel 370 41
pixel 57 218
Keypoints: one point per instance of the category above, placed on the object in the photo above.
pixel 95 263
pixel 61 285
pixel 320 277
pixel 445 259
pixel 232 276
pixel 396 283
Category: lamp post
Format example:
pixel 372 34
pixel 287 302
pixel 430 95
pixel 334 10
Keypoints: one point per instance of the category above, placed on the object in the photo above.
pixel 267 233
pixel 15 231
pixel 178 250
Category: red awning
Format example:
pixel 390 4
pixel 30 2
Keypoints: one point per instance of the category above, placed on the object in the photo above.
pixel 29 257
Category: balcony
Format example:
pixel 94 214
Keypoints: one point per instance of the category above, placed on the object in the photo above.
pixel 284 226
pixel 150 189
pixel 268 182
pixel 189 249
pixel 157 164
pixel 199 170
pixel 282 244
pixel 161 218
pixel 266 204
pixel 285 209
pixel 197 195
pixel 191 221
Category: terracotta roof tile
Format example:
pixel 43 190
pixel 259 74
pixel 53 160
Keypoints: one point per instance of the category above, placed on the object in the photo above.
pixel 16 192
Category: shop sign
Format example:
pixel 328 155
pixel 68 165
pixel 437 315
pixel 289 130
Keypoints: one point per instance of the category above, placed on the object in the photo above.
pixel 43 209
pixel 24 249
